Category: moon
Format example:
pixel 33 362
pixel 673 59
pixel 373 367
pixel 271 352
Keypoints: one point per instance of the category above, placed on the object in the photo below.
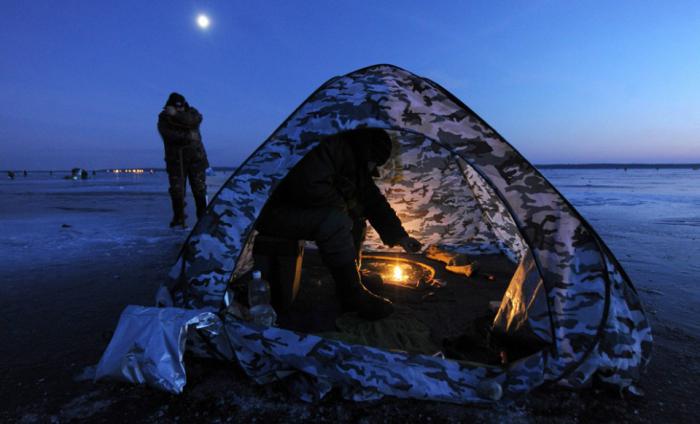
pixel 203 21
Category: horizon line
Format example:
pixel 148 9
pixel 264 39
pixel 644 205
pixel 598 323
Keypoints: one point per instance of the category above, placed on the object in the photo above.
pixel 540 165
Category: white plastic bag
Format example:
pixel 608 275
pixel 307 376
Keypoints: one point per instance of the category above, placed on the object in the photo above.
pixel 149 343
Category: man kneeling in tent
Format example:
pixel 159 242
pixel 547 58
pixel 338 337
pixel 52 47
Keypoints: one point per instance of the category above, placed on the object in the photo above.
pixel 326 198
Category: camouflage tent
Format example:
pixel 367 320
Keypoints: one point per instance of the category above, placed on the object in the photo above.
pixel 456 183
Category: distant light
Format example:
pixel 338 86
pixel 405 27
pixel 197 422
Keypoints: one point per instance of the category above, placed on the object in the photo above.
pixel 203 21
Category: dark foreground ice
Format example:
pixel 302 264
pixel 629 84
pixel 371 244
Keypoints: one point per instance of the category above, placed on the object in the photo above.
pixel 74 253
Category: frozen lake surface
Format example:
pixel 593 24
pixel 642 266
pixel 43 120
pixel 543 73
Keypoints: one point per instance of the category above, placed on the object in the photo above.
pixel 73 254
pixel 649 218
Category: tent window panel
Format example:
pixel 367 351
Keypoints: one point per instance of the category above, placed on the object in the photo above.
pixel 426 187
pixel 495 214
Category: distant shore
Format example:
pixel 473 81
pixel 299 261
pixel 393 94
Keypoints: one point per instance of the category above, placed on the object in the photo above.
pixel 695 166
pixel 146 169
pixel 619 166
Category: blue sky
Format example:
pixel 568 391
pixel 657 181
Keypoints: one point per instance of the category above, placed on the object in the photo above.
pixel 563 81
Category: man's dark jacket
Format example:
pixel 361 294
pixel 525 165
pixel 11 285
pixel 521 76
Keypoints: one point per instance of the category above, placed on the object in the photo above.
pixel 180 133
pixel 335 174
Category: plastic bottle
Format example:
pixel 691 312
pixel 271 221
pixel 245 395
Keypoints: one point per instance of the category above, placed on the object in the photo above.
pixel 489 389
pixel 261 312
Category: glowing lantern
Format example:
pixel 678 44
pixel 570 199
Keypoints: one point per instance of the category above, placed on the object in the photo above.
pixel 398 271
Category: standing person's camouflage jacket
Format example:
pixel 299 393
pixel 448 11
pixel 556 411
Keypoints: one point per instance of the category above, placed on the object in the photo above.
pixel 333 175
pixel 181 132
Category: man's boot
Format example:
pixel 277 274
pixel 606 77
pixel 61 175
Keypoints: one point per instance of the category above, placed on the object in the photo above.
pixel 178 212
pixel 200 203
pixel 354 296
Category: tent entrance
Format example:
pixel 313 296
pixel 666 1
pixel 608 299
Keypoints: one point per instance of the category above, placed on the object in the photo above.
pixel 471 250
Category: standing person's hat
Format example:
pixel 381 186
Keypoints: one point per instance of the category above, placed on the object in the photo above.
pixel 373 144
pixel 175 99
pixel 379 145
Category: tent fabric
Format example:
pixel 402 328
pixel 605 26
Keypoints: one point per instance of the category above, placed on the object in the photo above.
pixel 435 197
pixel 569 293
pixel 313 365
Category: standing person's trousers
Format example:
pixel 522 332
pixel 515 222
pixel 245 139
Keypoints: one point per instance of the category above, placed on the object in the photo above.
pixel 197 179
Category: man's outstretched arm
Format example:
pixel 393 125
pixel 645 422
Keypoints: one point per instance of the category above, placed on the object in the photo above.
pixel 384 219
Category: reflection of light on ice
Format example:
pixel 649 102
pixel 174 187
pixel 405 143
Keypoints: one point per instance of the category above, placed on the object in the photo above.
pixel 398 274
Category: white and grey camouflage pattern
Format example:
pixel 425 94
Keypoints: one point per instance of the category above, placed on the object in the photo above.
pixel 569 292
pixel 427 189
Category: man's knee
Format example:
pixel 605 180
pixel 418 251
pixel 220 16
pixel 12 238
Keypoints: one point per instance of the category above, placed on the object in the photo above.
pixel 336 223
pixel 334 238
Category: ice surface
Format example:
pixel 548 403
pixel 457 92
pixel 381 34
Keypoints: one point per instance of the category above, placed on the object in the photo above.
pixel 46 218
pixel 73 253
pixel 650 219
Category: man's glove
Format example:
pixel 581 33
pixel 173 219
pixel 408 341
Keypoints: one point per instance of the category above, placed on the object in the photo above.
pixel 410 245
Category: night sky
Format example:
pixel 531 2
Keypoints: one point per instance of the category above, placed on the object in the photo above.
pixel 82 82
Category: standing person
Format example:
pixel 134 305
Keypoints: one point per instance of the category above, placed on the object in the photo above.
pixel 327 197
pixel 185 157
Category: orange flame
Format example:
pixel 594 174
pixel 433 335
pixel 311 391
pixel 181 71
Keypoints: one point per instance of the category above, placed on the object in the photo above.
pixel 398 274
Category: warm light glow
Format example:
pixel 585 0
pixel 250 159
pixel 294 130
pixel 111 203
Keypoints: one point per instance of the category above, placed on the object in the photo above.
pixel 203 21
pixel 399 271
pixel 398 274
